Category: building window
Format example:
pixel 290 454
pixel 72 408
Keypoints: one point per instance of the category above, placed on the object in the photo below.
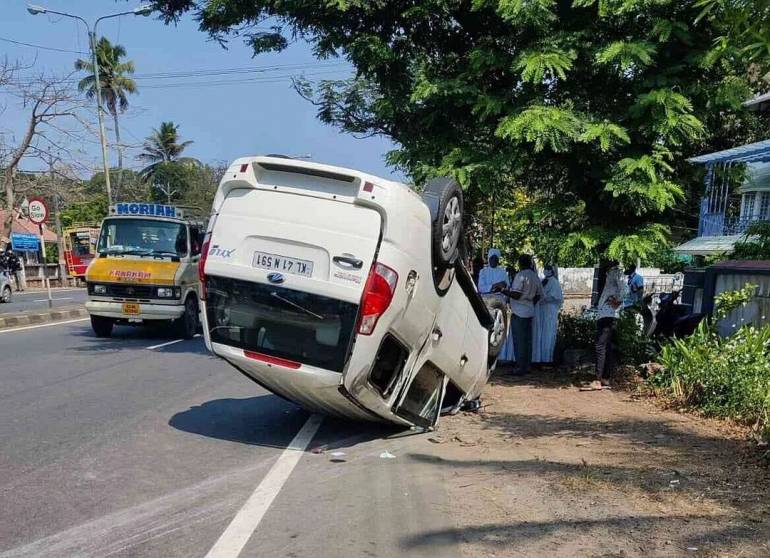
pixel 764 206
pixel 749 199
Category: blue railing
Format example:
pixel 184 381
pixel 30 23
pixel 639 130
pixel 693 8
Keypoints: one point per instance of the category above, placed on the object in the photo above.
pixel 717 224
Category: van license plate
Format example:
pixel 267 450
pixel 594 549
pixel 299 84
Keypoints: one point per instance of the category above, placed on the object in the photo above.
pixel 276 262
pixel 131 308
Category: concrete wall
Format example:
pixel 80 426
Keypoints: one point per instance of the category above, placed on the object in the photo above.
pixel 577 282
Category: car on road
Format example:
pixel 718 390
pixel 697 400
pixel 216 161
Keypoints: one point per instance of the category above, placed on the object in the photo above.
pixel 6 292
pixel 345 292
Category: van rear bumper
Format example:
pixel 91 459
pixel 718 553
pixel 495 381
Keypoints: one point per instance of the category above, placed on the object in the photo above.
pixel 148 311
pixel 312 388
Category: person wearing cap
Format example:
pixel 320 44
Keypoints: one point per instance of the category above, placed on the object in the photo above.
pixel 493 277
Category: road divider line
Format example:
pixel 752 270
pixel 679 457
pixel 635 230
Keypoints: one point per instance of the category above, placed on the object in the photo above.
pixel 234 538
pixel 46 300
pixel 11 330
pixel 167 343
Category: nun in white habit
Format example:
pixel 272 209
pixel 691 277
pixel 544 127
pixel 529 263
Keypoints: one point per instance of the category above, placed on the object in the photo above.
pixel 546 322
pixel 492 274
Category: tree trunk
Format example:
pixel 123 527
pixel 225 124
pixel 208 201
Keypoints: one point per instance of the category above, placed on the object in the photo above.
pixel 10 172
pixel 116 194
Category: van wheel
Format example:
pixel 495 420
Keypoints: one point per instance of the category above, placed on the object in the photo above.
pixel 102 326
pixel 499 331
pixel 6 296
pixel 187 325
pixel 446 231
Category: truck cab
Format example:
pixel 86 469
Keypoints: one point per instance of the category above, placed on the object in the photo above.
pixel 145 270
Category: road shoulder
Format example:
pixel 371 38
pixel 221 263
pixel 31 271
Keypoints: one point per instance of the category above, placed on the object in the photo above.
pixel 547 470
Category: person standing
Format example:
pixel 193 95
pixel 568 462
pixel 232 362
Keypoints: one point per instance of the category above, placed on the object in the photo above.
pixel 547 316
pixel 608 308
pixel 14 268
pixel 508 352
pixel 525 291
pixel 493 277
pixel 634 289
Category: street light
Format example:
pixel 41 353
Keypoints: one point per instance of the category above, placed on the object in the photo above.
pixel 143 10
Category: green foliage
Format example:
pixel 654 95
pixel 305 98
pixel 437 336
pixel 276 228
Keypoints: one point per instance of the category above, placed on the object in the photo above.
pixel 587 110
pixel 163 150
pixel 576 332
pixel 89 212
pixel 631 345
pixel 725 377
pixel 755 245
pixel 537 66
pixel 627 55
pixel 726 302
pixel 543 126
pixel 668 261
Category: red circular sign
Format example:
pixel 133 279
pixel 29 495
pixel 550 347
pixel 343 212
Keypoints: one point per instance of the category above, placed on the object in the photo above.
pixel 38 211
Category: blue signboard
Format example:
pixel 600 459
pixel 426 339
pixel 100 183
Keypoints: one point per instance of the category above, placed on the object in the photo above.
pixel 25 242
pixel 154 209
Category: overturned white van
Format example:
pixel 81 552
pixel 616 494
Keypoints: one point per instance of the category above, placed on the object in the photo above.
pixel 344 292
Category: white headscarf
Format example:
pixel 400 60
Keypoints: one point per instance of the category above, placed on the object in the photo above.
pixel 493 252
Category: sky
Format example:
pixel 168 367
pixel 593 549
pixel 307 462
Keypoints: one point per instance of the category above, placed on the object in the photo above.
pixel 225 121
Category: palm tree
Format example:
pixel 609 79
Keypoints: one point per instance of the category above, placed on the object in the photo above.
pixel 114 82
pixel 162 150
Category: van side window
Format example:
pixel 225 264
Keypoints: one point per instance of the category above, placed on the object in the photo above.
pixel 195 241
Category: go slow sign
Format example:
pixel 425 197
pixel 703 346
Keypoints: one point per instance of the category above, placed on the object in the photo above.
pixel 38 211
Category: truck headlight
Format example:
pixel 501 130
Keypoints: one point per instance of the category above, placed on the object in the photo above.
pixel 100 289
pixel 168 292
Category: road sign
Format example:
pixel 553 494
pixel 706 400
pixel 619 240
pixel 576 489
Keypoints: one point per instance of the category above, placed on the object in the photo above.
pixel 25 242
pixel 38 211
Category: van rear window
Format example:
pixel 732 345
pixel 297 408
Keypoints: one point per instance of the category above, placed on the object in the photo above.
pixel 276 321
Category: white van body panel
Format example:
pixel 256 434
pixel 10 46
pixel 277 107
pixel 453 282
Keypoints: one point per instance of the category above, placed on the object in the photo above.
pixel 314 213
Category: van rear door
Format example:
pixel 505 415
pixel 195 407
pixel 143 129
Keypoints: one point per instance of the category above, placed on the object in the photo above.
pixel 301 242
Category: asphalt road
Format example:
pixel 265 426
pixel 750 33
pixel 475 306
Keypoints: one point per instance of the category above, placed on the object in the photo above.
pixel 29 301
pixel 115 448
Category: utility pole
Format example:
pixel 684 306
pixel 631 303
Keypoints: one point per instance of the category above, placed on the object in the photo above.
pixel 144 10
pixel 57 218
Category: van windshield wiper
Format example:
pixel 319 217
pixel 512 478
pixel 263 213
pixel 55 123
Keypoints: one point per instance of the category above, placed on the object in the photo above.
pixel 297 306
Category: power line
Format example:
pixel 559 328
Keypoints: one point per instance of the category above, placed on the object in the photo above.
pixel 267 79
pixel 41 46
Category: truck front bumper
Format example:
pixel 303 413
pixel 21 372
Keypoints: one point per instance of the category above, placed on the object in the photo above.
pixel 147 310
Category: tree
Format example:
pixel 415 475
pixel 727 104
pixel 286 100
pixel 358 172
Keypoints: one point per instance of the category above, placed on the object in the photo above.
pixel 115 86
pixel 47 101
pixel 163 150
pixel 744 27
pixel 588 107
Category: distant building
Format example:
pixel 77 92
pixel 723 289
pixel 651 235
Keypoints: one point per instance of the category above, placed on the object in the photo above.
pixel 726 212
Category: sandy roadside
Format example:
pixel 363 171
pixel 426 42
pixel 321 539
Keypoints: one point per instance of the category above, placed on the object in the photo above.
pixel 547 470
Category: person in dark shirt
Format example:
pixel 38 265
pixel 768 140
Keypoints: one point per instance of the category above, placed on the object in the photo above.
pixel 13 267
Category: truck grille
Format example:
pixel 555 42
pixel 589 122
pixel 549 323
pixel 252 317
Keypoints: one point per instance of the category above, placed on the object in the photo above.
pixel 130 291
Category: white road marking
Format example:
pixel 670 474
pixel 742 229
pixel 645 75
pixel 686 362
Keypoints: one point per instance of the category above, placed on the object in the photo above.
pixel 11 330
pixel 46 300
pixel 167 343
pixel 231 542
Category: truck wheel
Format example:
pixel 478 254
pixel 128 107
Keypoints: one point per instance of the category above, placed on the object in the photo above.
pixel 6 296
pixel 102 326
pixel 499 331
pixel 446 230
pixel 187 325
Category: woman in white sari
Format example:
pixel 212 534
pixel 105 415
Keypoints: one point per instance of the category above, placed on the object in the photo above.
pixel 546 321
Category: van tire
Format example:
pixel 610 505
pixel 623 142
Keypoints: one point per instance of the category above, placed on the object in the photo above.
pixel 446 229
pixel 102 326
pixel 187 325
pixel 498 334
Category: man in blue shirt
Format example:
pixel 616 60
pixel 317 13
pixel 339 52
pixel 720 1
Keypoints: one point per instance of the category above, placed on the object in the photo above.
pixel 635 288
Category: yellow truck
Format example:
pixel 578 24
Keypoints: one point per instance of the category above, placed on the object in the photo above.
pixel 146 270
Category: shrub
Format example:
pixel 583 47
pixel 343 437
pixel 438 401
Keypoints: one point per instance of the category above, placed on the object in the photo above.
pixel 724 377
pixel 631 346
pixel 576 332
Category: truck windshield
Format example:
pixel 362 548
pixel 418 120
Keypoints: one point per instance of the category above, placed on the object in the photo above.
pixel 143 237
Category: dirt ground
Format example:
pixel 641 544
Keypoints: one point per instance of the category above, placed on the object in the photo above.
pixel 545 470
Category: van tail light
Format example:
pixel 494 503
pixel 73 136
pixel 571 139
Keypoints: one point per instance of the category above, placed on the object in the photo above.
pixel 202 265
pixel 378 294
